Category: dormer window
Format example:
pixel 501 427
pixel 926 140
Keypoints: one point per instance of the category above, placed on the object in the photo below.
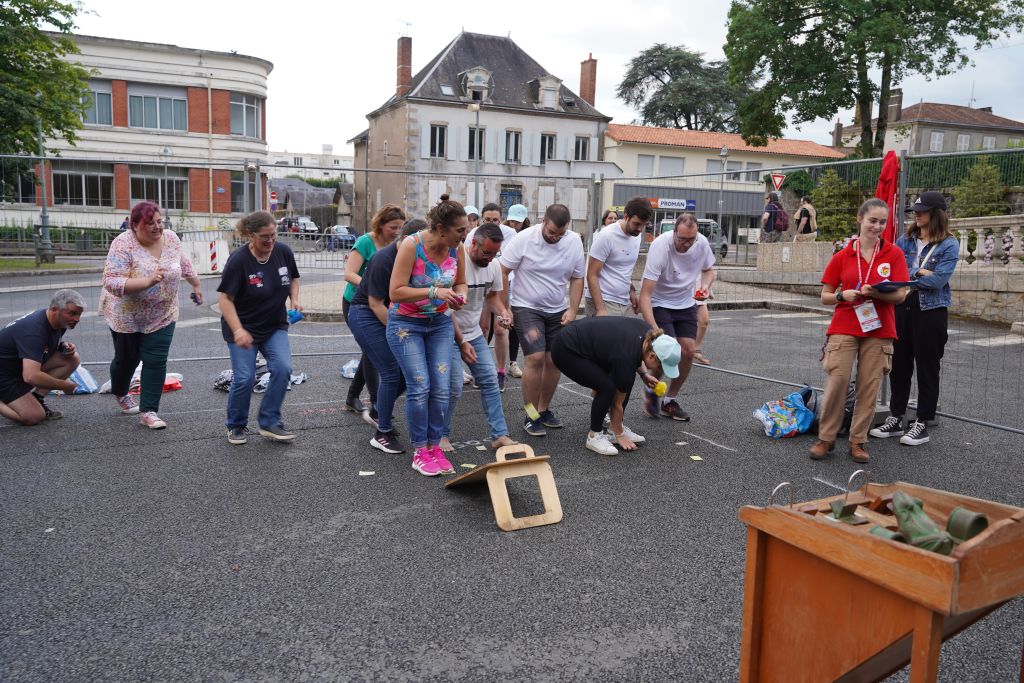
pixel 545 91
pixel 476 83
pixel 447 90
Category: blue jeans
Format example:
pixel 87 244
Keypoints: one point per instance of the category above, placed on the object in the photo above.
pixel 277 350
pixel 486 376
pixel 422 347
pixel 372 339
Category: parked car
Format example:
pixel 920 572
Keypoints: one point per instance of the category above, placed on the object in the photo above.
pixel 340 237
pixel 303 226
pixel 288 224
pixel 707 227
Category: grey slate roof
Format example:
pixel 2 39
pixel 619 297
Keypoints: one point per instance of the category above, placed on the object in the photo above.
pixel 300 193
pixel 512 71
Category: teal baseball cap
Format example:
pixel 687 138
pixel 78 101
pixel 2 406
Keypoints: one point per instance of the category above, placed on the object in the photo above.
pixel 668 352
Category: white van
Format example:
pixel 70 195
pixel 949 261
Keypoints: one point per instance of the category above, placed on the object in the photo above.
pixel 707 227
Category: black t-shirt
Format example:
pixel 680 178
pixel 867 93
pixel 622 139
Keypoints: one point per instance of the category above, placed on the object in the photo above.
pixel 614 343
pixel 377 277
pixel 804 213
pixel 30 336
pixel 259 290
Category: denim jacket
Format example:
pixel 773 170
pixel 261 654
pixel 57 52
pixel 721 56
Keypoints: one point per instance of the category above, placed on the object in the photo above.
pixel 941 259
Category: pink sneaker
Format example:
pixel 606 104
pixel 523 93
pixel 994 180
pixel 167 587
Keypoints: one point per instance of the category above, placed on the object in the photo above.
pixel 127 404
pixel 151 420
pixel 424 463
pixel 443 464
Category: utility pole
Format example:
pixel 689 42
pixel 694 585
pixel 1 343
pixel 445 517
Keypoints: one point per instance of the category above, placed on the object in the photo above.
pixel 44 252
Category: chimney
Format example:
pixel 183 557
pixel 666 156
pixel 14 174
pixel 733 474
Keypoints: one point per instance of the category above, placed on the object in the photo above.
pixel 404 67
pixel 895 104
pixel 988 109
pixel 837 134
pixel 588 79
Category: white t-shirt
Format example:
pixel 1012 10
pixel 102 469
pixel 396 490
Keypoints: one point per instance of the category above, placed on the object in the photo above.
pixel 542 270
pixel 481 281
pixel 618 251
pixel 676 275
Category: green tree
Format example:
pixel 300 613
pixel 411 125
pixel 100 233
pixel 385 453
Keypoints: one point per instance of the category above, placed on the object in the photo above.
pixel 836 202
pixel 981 192
pixel 35 80
pixel 820 56
pixel 317 182
pixel 673 87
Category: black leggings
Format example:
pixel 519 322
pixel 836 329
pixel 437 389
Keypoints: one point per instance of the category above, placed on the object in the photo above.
pixel 587 373
pixel 921 343
pixel 366 374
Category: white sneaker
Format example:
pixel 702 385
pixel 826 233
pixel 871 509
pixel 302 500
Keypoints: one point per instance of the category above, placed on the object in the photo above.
pixel 631 435
pixel 513 369
pixel 466 377
pixel 151 420
pixel 599 443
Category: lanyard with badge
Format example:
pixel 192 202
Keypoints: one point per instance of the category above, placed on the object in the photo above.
pixel 867 314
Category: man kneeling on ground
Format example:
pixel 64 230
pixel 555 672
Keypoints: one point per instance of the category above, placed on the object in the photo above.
pixel 34 360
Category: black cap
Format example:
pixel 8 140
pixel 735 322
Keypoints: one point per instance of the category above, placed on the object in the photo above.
pixel 926 201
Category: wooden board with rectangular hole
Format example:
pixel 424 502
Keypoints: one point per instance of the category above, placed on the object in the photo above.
pixel 827 601
pixel 496 473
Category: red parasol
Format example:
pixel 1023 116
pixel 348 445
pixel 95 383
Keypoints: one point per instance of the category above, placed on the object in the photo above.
pixel 888 183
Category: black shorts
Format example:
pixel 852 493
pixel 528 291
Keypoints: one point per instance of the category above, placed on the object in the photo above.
pixel 13 388
pixel 536 329
pixel 677 322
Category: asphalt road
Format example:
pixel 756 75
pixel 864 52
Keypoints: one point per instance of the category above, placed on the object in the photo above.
pixel 134 555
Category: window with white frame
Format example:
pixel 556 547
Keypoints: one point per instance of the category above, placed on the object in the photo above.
pixel 645 165
pixel 754 172
pixel 963 142
pixel 153 111
pixel 547 147
pixel 83 185
pixel 477 139
pixel 337 162
pixel 935 141
pixel 99 111
pixel 988 142
pixel 245 115
pixel 582 152
pixel 168 187
pixel 438 141
pixel 734 167
pixel 713 166
pixel 242 191
pixel 671 166
pixel 513 146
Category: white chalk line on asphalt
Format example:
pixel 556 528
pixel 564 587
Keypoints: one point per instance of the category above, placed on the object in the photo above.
pixel 713 443
pixel 826 482
pixel 573 391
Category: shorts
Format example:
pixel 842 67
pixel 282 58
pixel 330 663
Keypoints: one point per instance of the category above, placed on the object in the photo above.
pixel 677 322
pixel 624 310
pixel 536 329
pixel 13 388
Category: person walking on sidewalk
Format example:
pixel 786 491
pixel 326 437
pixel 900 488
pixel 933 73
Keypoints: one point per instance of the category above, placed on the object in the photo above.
pixel 613 256
pixel 256 281
pixel 34 360
pixel 544 259
pixel 680 263
pixel 140 304
pixel 863 328
pixel 606 354
pixel 921 321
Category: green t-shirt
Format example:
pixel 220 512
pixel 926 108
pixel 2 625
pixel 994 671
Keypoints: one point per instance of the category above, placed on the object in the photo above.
pixel 366 248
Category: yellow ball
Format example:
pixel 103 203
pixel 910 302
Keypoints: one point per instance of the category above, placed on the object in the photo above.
pixel 660 388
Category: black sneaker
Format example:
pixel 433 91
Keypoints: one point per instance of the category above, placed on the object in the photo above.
pixel 354 405
pixel 501 382
pixel 672 409
pixel 51 414
pixel 916 434
pixel 277 433
pixel 238 435
pixel 534 427
pixel 548 419
pixel 891 427
pixel 387 442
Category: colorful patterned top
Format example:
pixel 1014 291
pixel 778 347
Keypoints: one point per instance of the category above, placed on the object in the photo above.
pixel 424 274
pixel 151 309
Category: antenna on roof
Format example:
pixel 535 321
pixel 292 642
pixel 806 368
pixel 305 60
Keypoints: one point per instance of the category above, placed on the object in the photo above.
pixel 408 24
pixel 970 102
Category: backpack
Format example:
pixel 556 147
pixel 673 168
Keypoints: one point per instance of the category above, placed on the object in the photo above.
pixel 781 223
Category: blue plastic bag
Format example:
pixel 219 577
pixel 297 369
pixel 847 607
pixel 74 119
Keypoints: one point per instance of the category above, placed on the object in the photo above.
pixel 86 383
pixel 787 417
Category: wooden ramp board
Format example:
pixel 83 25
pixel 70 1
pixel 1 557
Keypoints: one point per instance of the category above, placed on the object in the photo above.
pixel 498 472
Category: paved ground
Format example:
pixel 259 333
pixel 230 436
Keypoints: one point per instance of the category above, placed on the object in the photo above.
pixel 136 555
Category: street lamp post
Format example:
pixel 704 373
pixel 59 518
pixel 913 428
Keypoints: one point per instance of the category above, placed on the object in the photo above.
pixel 475 107
pixel 721 188
pixel 44 253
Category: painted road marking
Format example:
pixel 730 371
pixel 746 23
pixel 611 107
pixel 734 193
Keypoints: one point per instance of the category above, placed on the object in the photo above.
pixel 713 443
pixel 808 314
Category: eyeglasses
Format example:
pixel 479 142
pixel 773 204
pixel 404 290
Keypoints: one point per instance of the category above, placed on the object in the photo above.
pixel 267 238
pixel 686 240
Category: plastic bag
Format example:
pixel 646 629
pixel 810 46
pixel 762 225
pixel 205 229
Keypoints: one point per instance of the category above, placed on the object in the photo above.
pixel 787 417
pixel 348 370
pixel 172 382
pixel 86 383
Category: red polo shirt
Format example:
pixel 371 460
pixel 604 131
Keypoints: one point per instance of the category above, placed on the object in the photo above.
pixel 841 273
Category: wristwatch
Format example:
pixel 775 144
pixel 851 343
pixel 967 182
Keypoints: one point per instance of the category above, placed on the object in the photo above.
pixel 839 295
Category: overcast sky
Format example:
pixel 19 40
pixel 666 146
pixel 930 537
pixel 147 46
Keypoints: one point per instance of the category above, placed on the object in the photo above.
pixel 335 61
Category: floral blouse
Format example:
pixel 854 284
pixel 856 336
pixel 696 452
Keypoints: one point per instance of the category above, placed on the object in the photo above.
pixel 151 309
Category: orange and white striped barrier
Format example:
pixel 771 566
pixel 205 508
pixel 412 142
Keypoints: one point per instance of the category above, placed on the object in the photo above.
pixel 213 256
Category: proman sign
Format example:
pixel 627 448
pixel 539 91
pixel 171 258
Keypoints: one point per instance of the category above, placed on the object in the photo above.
pixel 678 204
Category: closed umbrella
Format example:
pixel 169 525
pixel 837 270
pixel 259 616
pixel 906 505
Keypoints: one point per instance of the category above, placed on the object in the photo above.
pixel 888 183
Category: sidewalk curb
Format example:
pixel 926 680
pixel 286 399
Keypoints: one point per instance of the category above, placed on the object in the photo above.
pixel 43 273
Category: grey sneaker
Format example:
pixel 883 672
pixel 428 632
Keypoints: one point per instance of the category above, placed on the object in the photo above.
pixel 238 435
pixel 277 433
